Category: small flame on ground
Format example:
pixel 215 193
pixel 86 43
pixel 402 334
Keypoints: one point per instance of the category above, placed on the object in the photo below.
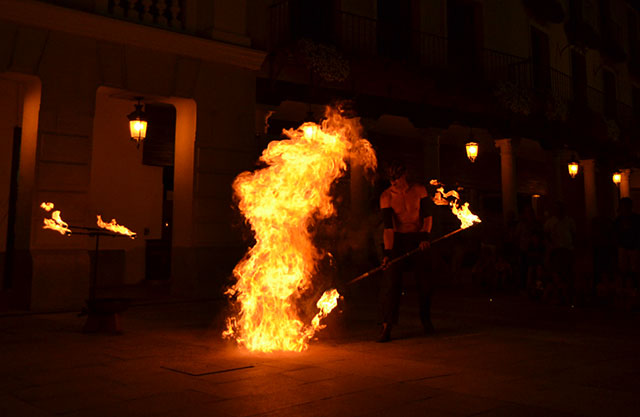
pixel 451 198
pixel 115 227
pixel 282 202
pixel 55 222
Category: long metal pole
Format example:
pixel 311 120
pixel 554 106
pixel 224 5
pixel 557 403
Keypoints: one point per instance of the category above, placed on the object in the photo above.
pixel 400 258
pixel 94 278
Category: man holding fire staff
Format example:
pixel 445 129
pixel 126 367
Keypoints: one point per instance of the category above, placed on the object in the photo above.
pixel 407 218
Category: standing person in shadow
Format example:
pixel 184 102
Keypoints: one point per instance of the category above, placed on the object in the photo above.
pixel 407 218
pixel 626 229
pixel 560 232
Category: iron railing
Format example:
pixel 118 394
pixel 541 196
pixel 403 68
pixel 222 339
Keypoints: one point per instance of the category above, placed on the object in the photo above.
pixel 357 35
pixel 363 37
pixel 164 13
pixel 279 25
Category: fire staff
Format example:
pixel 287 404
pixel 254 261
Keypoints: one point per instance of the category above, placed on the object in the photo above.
pixel 406 212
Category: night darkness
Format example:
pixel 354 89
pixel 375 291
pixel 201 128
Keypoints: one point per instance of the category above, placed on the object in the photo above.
pixel 181 181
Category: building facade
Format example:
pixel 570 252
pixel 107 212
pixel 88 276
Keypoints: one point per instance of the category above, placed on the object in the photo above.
pixel 535 83
pixel 70 72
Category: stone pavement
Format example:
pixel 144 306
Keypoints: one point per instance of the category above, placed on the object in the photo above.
pixel 501 357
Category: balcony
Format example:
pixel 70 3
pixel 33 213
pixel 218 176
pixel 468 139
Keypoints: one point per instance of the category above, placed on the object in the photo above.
pixel 166 14
pixel 359 37
pixel 582 26
pixel 613 40
pixel 364 39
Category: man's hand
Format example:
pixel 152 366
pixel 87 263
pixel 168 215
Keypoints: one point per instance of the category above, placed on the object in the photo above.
pixel 424 245
pixel 385 262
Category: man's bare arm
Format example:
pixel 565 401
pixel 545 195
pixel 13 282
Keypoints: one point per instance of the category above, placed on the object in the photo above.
pixel 387 214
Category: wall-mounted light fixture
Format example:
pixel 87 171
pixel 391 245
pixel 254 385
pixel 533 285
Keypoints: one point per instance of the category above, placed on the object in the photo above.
pixel 617 178
pixel 137 123
pixel 573 167
pixel 472 146
pixel 472 151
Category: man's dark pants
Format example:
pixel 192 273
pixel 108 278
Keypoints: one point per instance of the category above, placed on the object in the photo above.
pixel 391 287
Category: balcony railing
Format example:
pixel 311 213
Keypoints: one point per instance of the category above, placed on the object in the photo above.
pixel 363 37
pixel 163 13
pixel 357 35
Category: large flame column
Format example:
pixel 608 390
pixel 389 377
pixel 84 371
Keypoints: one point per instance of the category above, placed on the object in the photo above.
pixel 282 202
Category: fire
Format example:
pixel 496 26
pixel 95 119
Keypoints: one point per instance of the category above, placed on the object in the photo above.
pixel 326 304
pixel 55 222
pixel 282 202
pixel 466 217
pixel 115 227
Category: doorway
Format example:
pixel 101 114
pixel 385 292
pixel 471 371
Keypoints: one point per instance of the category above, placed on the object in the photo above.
pixel 159 151
pixel 394 28
pixel 464 31
pixel 540 60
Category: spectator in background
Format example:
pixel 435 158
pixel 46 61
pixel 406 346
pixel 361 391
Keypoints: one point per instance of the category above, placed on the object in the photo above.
pixel 604 257
pixel 560 232
pixel 527 239
pixel 626 229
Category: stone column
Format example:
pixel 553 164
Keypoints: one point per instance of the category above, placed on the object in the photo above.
pixel 560 161
pixel 508 174
pixel 590 200
pixel 431 153
pixel 625 184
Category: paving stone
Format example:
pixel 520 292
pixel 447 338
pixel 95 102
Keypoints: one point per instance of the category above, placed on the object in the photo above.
pixel 13 407
pixel 516 358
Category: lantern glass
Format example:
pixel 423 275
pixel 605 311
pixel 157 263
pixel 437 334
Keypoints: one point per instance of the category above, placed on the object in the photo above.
pixel 617 178
pixel 138 129
pixel 472 151
pixel 573 168
pixel 137 123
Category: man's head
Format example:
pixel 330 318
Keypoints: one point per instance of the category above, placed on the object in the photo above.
pixel 396 172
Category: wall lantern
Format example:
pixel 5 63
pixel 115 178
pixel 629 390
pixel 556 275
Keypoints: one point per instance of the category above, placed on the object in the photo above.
pixel 137 123
pixel 472 146
pixel 573 167
pixel 472 151
pixel 617 178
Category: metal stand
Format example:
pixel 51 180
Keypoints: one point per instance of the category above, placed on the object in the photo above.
pixel 103 314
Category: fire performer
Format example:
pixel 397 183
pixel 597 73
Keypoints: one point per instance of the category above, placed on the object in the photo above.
pixel 406 212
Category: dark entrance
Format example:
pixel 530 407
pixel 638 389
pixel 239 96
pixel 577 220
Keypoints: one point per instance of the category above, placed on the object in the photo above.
pixel 579 67
pixel 464 32
pixel 159 150
pixel 540 60
pixel 7 258
pixel 394 28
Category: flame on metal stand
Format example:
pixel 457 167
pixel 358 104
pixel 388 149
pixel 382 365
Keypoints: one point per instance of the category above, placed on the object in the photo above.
pixel 282 202
pixel 55 222
pixel 115 227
